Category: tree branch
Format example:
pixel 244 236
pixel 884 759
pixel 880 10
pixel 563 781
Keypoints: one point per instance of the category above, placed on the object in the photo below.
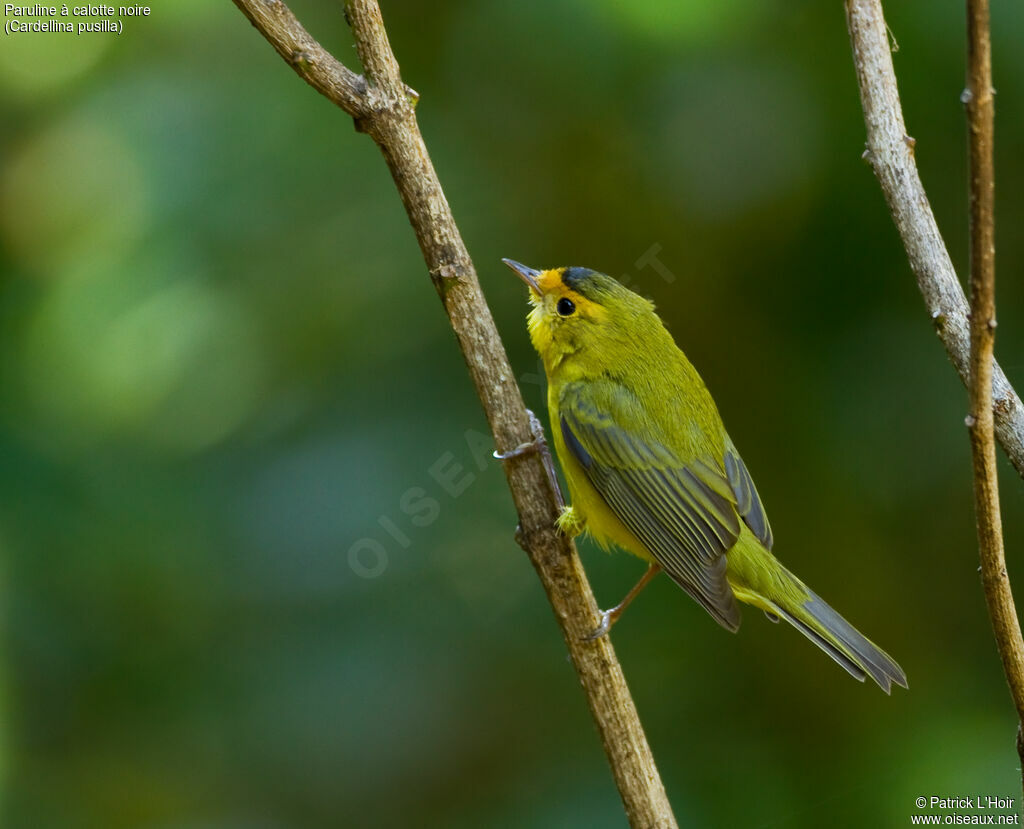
pixel 314 64
pixel 995 409
pixel 891 154
pixel 384 108
pixel 980 118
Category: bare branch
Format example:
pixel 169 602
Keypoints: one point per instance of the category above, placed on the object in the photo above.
pixel 980 118
pixel 995 409
pixel 384 108
pixel 314 64
pixel 891 154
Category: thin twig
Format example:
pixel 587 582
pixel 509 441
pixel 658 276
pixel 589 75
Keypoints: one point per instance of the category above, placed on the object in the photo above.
pixel 891 154
pixel 384 108
pixel 980 118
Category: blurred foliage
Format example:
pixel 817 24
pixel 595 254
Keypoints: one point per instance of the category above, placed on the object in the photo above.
pixel 236 587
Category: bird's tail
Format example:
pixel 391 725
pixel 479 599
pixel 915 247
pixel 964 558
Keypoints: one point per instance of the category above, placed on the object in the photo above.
pixel 786 597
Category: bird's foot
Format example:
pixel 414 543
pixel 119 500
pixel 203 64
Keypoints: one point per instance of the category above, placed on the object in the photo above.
pixel 608 618
pixel 537 444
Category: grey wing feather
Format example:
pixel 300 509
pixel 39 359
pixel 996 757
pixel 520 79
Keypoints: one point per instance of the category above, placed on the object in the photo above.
pixel 747 501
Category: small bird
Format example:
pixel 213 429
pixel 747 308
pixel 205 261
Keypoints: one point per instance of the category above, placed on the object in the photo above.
pixel 652 470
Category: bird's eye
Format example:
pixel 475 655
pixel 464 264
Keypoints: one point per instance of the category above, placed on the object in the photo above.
pixel 565 306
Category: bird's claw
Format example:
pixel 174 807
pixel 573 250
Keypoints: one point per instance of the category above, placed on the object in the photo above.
pixel 538 444
pixel 519 451
pixel 610 617
pixel 603 628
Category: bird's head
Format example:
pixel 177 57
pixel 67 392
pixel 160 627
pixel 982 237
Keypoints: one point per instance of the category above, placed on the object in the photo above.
pixel 582 314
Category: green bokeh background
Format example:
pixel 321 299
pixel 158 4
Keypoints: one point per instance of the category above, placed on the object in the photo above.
pixel 223 368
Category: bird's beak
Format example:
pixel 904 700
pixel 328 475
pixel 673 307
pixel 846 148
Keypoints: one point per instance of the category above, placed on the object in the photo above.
pixel 528 275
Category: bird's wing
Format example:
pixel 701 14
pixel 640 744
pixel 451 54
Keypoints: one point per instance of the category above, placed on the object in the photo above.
pixel 748 504
pixel 685 513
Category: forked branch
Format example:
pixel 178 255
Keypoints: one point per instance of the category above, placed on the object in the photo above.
pixel 383 107
pixel 890 151
pixel 994 408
